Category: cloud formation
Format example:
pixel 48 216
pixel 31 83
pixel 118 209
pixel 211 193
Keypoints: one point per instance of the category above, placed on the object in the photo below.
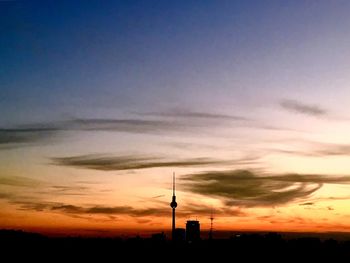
pixel 20 181
pixel 62 190
pixel 116 163
pixel 194 209
pixel 171 123
pixel 119 125
pixel 317 149
pixel 298 107
pixel 333 149
pixel 188 114
pixel 307 204
pixel 176 121
pixel 38 202
pixel 246 188
pixel 24 135
pixel 162 211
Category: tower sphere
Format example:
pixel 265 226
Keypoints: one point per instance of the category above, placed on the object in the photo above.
pixel 173 204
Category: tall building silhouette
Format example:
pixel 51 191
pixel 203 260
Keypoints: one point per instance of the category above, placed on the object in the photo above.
pixel 179 235
pixel 192 231
pixel 173 205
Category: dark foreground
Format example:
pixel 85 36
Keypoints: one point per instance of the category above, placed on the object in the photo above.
pixel 261 247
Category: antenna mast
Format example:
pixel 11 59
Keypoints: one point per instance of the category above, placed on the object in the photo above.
pixel 211 225
pixel 173 183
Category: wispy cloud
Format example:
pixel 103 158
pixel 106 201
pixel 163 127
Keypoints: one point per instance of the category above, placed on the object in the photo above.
pixel 299 107
pixel 189 114
pixel 20 181
pixel 19 185
pixel 63 190
pixel 316 149
pixel 7 196
pixel 120 125
pixel 38 202
pixel 32 132
pixel 195 209
pixel 158 196
pixel 333 149
pixel 171 123
pixel 115 163
pixel 28 134
pixel 23 135
pixel 246 188
pixel 307 204
pixel 161 211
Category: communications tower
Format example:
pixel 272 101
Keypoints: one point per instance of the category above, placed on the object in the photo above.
pixel 173 205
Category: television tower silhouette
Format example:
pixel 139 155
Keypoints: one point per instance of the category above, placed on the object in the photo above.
pixel 173 205
pixel 211 225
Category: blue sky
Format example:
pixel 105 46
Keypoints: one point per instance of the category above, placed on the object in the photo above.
pixel 64 59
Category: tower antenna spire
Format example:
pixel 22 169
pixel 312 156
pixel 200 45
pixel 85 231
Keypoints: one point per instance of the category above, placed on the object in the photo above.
pixel 173 183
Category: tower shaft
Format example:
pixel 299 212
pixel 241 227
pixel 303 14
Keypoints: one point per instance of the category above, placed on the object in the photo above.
pixel 173 225
pixel 173 205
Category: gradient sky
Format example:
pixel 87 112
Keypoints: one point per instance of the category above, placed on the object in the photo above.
pixel 247 101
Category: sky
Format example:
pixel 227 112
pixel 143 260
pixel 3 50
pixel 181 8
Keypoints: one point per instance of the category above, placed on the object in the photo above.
pixel 246 101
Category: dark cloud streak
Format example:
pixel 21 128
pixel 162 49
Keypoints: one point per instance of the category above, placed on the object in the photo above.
pixel 163 211
pixel 19 136
pixel 116 163
pixel 317 149
pixel 187 114
pixel 10 138
pixel 178 121
pixel 120 125
pixel 245 188
pixel 298 107
pixel 307 204
pixel 170 123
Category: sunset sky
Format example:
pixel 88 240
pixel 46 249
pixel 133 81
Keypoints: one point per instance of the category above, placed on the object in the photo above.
pixel 246 101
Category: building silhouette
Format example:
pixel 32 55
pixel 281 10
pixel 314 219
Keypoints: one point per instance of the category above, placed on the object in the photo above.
pixel 179 235
pixel 192 231
pixel 158 237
